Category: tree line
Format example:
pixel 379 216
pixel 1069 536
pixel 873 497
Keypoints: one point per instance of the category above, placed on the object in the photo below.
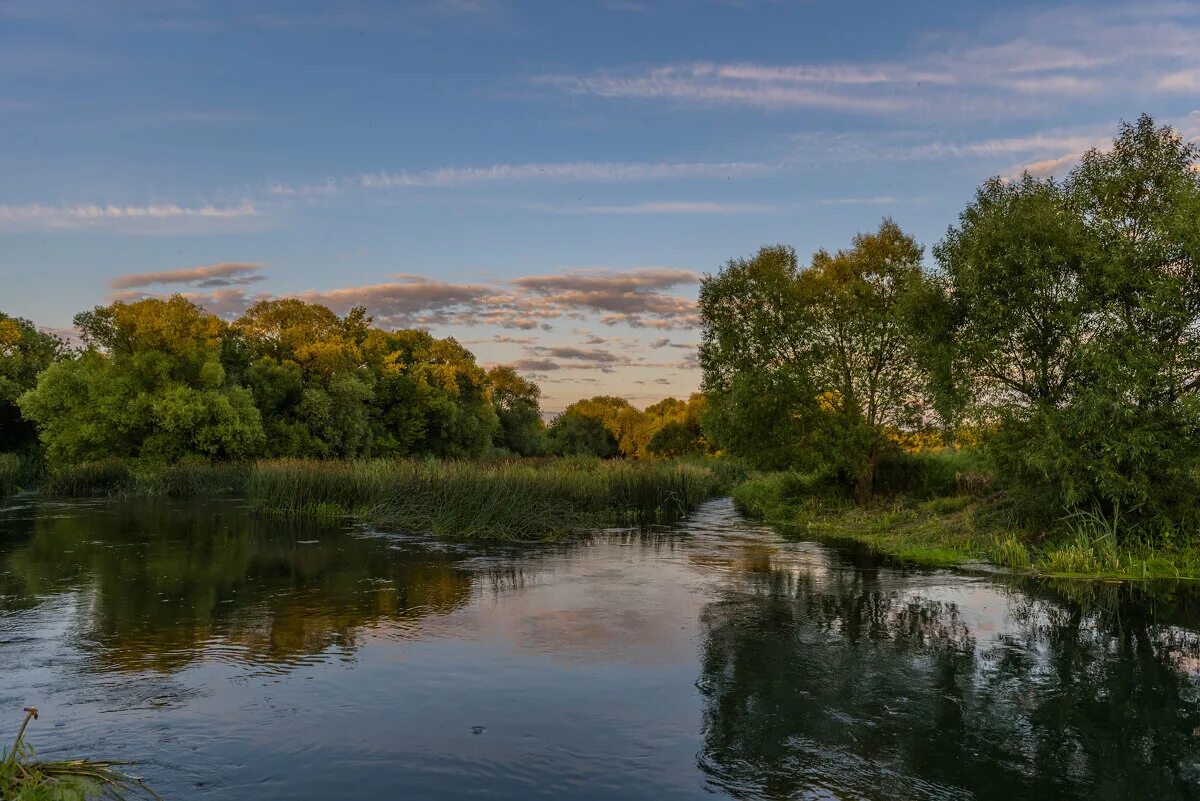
pixel 163 380
pixel 1058 330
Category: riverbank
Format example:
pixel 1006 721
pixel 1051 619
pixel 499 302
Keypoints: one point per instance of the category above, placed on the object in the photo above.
pixel 957 529
pixel 500 499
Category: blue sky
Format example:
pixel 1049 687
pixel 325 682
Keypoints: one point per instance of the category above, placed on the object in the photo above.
pixel 542 180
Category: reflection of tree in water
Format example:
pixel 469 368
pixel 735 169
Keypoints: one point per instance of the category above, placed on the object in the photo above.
pixel 851 686
pixel 163 582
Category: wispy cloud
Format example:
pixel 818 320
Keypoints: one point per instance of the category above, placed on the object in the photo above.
pixel 1041 152
pixel 90 215
pixel 550 172
pixel 680 207
pixel 716 84
pixel 1183 81
pixel 209 275
pixel 1047 58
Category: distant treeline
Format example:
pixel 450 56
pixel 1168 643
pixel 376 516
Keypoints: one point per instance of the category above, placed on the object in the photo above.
pixel 163 380
pixel 1059 331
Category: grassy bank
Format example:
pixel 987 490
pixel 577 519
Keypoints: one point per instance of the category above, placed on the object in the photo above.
pixel 957 527
pixel 501 500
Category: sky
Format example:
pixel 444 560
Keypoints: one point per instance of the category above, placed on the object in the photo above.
pixel 546 181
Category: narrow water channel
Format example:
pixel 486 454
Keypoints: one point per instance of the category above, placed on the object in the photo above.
pixel 237 657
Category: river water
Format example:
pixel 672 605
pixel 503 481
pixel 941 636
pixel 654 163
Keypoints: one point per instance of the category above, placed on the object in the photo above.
pixel 236 657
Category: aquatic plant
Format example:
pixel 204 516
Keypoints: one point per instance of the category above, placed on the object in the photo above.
pixel 126 477
pixel 1010 552
pixel 23 777
pixel 10 473
pixel 504 500
pixel 99 477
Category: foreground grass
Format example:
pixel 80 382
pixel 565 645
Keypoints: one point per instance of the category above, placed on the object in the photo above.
pixel 956 529
pixel 497 500
pixel 23 777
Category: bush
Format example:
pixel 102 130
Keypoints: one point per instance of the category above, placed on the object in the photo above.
pixel 932 474
pixel 764 495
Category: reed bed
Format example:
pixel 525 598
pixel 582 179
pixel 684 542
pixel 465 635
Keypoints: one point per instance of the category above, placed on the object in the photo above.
pixel 505 500
pixel 128 477
pixel 11 470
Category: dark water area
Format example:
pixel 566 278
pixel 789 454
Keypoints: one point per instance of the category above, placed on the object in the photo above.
pixel 237 657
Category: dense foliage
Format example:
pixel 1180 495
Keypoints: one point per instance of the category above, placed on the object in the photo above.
pixel 164 380
pixel 1067 319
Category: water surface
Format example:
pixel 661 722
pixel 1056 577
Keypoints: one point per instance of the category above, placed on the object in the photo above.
pixel 238 657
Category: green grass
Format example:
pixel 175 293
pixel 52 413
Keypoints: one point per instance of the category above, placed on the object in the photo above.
pixel 17 472
pixel 23 777
pixel 10 473
pixel 128 477
pixel 499 500
pixel 959 528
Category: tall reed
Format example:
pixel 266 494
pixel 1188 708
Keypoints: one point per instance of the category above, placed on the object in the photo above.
pixel 504 500
pixel 10 473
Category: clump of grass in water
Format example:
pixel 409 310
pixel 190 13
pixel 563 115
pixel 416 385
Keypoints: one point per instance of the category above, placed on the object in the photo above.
pixel 23 777
pixel 1010 552
pixel 506 500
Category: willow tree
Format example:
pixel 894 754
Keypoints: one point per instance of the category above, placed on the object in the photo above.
pixel 815 366
pixel 516 400
pixel 1068 326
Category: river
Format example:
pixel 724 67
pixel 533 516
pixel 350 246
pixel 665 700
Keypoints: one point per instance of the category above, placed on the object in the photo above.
pixel 240 657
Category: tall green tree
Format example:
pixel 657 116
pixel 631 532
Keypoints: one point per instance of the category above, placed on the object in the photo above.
pixel 678 427
pixel 516 399
pixel 815 366
pixel 1068 325
pixel 431 396
pixel 24 353
pixel 307 375
pixel 150 384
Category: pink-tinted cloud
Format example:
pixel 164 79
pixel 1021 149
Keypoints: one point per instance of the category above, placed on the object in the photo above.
pixel 209 275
